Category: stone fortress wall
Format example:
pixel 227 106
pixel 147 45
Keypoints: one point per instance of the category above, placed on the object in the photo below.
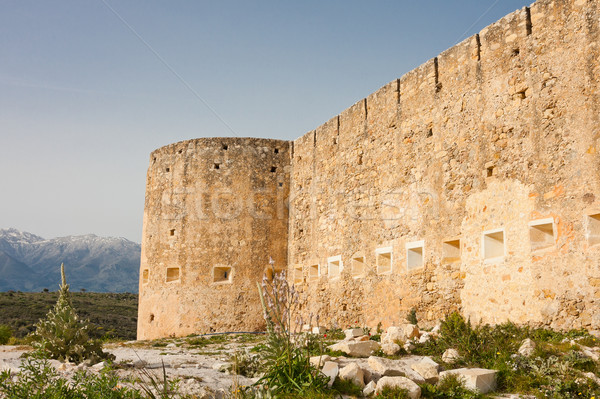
pixel 470 184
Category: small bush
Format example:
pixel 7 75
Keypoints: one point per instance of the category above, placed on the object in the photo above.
pixel 393 393
pixel 5 334
pixel 63 336
pixel 411 317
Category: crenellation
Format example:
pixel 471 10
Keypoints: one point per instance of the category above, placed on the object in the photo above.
pixel 469 184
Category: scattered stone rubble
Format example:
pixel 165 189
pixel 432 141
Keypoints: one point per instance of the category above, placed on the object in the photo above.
pixel 373 373
pixel 207 374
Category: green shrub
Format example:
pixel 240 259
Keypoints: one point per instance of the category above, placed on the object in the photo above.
pixel 393 393
pixel 411 317
pixel 63 336
pixel 5 334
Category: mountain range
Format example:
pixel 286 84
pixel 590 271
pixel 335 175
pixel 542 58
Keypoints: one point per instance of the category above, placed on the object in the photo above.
pixel 100 264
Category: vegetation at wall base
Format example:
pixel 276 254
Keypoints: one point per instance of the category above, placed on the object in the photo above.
pixel 555 369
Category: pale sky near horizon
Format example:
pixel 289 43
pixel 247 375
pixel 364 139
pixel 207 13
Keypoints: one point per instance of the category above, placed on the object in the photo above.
pixel 83 100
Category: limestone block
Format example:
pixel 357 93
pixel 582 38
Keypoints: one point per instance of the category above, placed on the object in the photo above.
pixel 414 392
pixel 318 361
pixel 354 333
pixel 390 368
pixel 390 349
pixel 356 348
pixel 369 389
pixel 331 370
pixel 410 331
pixel 527 348
pixel 354 373
pixel 392 335
pixel 450 356
pixel 483 380
pixel 427 370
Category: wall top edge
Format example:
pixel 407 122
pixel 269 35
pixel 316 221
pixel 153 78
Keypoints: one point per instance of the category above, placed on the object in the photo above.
pixel 211 141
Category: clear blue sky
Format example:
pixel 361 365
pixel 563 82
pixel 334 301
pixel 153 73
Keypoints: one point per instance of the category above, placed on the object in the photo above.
pixel 83 101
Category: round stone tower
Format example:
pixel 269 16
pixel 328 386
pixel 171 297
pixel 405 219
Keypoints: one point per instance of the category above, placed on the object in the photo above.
pixel 215 213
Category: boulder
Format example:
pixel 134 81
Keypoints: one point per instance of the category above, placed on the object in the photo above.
pixel 527 348
pixel 427 370
pixel 354 373
pixel 382 367
pixel 482 380
pixel 331 370
pixel 356 348
pixel 369 389
pixel 318 361
pixel 354 333
pixel 414 392
pixel 386 367
pixel 390 349
pixel 392 335
pixel 450 356
pixel 410 331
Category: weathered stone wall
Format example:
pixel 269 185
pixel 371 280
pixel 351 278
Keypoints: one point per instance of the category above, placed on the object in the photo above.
pixel 471 183
pixel 215 213
pixel 495 133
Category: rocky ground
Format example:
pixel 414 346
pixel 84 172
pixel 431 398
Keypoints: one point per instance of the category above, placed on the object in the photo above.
pixel 202 365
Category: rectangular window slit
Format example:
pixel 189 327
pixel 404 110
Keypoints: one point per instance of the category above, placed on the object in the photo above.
pixel 493 244
pixel 414 254
pixel 541 234
pixel 384 260
pixel 225 147
pixel 273 169
pixel 222 274
pixel 334 266
pixel 451 251
pixel 167 169
pixel 298 276
pixel 172 232
pixel 313 272
pixel 358 266
pixel 172 274
pixel 217 165
pixel 593 229
pixel 145 274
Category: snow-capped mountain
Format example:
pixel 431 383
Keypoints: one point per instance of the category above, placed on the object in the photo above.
pixel 100 264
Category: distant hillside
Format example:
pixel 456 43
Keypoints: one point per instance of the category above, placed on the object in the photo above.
pixel 113 315
pixel 99 264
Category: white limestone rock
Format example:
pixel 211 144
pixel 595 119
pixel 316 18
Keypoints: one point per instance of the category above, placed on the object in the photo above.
pixel 331 370
pixel 427 370
pixel 318 361
pixel 357 348
pixel 390 349
pixel 482 380
pixel 369 388
pixel 392 335
pixel 352 372
pixel 410 331
pixel 450 356
pixel 354 333
pixel 527 348
pixel 414 391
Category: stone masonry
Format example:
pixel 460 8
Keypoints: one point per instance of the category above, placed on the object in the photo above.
pixel 471 183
